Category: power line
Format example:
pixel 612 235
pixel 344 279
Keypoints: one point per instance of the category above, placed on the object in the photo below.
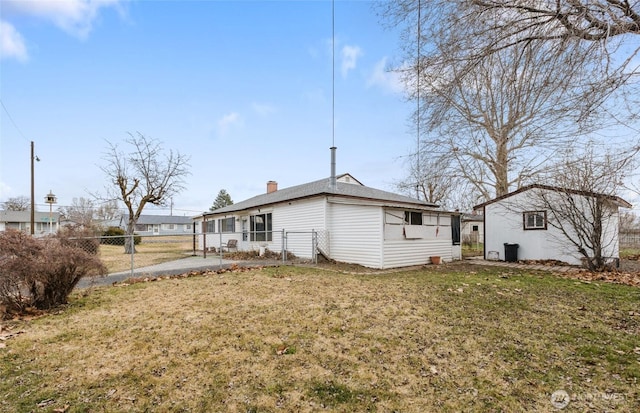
pixel 13 122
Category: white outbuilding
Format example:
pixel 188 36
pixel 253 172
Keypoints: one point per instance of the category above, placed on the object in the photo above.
pixel 540 222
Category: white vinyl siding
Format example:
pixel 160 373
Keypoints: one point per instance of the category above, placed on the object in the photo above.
pixel 504 224
pixel 435 240
pixel 356 234
pixel 298 219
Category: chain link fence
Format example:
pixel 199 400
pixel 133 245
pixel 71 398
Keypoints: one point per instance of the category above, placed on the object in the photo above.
pixel 284 246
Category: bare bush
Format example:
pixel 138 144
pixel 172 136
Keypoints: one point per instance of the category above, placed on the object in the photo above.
pixel 41 273
pixel 78 236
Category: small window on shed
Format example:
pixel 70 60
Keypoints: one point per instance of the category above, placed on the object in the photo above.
pixel 534 220
pixel 412 218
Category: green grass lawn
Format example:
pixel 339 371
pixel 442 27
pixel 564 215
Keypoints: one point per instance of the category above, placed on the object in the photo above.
pixel 627 252
pixel 446 338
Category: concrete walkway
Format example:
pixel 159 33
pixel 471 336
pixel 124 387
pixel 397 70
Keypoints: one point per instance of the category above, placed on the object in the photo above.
pixel 191 263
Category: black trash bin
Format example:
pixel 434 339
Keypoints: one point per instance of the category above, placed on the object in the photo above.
pixel 510 252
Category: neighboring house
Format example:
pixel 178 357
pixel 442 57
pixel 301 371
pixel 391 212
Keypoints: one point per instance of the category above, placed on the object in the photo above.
pixel 158 224
pixel 472 230
pixel 522 218
pixel 339 218
pixel 21 220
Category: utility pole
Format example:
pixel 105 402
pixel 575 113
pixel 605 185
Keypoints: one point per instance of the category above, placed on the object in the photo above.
pixel 33 202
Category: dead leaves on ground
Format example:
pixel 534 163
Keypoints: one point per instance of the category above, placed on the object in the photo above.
pixel 614 277
pixel 234 268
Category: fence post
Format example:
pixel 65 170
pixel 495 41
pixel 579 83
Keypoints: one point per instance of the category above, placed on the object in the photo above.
pixel 194 240
pixel 204 238
pixel 133 250
pixel 284 247
pixel 314 246
pixel 220 250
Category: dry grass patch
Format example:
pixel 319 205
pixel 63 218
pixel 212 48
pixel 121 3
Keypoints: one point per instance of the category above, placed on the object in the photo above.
pixel 292 339
pixel 151 251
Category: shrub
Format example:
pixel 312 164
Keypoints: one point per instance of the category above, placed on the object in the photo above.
pixel 80 237
pixel 116 236
pixel 41 273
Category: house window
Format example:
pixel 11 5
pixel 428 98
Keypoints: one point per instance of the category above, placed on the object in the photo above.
pixel 535 219
pixel 474 228
pixel 260 227
pixel 169 226
pixel 209 226
pixel 227 225
pixel 187 227
pixel 412 218
pixel 141 227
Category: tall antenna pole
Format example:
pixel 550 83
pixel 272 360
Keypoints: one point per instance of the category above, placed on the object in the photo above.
pixel 33 202
pixel 332 179
pixel 418 110
pixel 333 73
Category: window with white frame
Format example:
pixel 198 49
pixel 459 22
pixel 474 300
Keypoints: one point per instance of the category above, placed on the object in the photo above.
pixel 260 227
pixel 534 220
pixel 227 224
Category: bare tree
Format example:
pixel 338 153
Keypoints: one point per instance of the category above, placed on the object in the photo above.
pixel 606 27
pixel 433 180
pixel 146 175
pixel 502 119
pixel 80 212
pixel 107 211
pixel 590 20
pixel 499 112
pixel 20 203
pixel 629 220
pixel 583 203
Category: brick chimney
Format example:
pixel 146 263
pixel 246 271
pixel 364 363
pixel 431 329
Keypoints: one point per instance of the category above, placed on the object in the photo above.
pixel 272 186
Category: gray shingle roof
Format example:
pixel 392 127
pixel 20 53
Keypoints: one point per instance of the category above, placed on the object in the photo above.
pixel 613 198
pixel 322 187
pixel 25 216
pixel 160 219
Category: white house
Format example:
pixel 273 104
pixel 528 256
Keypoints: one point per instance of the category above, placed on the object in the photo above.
pixel 537 219
pixel 157 224
pixel 44 223
pixel 339 218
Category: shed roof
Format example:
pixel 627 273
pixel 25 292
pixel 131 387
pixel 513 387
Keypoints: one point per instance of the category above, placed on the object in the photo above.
pixel 613 198
pixel 323 187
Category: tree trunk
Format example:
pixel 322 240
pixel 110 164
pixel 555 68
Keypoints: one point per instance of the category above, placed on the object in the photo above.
pixel 129 243
pixel 501 167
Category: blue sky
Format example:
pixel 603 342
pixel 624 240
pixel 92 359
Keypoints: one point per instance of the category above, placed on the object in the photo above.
pixel 242 87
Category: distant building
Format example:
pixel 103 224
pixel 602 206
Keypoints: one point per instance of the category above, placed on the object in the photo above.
pixel 472 230
pixel 157 224
pixel 21 221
